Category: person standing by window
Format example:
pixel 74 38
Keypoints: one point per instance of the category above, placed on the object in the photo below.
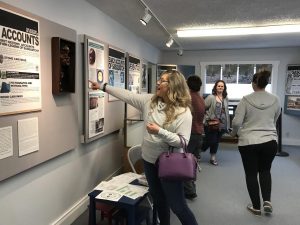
pixel 198 110
pixel 166 115
pixel 255 125
pixel 216 106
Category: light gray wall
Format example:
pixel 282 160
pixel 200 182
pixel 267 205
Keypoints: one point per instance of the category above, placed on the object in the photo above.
pixel 285 56
pixel 42 195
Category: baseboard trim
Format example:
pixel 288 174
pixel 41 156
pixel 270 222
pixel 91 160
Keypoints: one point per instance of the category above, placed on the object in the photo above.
pixel 70 215
pixel 73 212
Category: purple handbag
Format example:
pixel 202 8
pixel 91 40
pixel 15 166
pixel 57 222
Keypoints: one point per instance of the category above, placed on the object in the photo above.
pixel 177 166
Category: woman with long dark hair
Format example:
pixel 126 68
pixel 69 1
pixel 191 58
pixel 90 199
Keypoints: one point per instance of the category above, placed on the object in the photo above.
pixel 216 105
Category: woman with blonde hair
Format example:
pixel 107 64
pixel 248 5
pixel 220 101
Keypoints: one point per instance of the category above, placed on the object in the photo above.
pixel 166 115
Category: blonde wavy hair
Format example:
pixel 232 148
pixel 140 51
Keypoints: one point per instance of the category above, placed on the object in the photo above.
pixel 178 96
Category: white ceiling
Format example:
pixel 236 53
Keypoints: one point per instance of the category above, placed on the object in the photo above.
pixel 175 14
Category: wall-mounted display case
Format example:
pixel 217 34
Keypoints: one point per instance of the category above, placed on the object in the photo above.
pixel 63 65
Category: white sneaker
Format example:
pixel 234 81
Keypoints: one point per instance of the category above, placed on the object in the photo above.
pixel 255 212
pixel 268 207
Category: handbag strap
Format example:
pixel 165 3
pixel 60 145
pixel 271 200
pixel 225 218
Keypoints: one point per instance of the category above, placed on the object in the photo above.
pixel 183 143
pixel 184 146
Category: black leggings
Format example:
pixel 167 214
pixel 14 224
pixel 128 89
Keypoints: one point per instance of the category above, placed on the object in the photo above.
pixel 257 160
pixel 211 140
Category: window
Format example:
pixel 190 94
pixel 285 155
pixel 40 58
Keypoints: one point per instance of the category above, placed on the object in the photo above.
pixel 237 76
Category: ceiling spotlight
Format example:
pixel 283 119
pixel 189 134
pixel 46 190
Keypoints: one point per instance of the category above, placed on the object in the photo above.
pixel 170 42
pixel 180 52
pixel 146 18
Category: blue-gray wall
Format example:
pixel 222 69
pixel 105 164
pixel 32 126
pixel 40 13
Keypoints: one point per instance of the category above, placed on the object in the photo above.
pixel 55 191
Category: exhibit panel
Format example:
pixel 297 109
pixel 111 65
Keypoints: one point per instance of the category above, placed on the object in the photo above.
pixel 101 115
pixel 28 139
pixel 116 69
pixel 20 77
pixel 133 84
pixel 292 90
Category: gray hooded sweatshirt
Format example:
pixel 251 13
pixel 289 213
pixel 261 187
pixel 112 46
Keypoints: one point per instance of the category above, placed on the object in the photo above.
pixel 255 118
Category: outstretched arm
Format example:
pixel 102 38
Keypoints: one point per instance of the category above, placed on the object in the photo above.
pixel 136 100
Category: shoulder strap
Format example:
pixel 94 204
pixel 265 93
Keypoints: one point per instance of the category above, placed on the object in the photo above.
pixel 182 142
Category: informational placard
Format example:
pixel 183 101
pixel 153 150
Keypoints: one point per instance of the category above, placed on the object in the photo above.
pixel 96 113
pixel 292 90
pixel 101 117
pixel 145 79
pixel 292 84
pixel 28 135
pixel 20 84
pixel 116 70
pixel 96 60
pixel 95 98
pixel 134 74
pixel 6 142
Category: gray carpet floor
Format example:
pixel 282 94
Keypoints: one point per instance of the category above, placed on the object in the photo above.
pixel 223 197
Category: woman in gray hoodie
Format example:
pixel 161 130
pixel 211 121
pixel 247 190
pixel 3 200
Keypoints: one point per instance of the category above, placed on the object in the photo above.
pixel 255 125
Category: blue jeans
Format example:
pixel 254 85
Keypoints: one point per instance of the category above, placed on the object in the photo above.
pixel 166 195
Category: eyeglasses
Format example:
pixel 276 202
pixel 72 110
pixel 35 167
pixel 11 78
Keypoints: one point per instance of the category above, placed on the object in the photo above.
pixel 160 81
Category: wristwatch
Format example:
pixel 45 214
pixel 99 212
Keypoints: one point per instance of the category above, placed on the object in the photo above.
pixel 104 87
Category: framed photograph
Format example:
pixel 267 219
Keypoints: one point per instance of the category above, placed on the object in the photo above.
pixel 212 74
pixel 262 67
pixel 237 76
pixel 229 73
pixel 292 104
pixel 246 72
